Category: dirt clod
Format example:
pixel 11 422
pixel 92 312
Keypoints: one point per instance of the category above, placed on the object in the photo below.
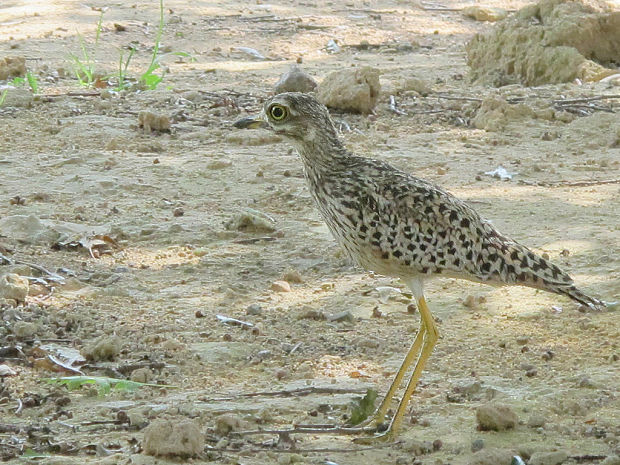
pixel 548 458
pixel 10 67
pixel 492 456
pixel 295 80
pixel 103 348
pixel 228 422
pixel 280 286
pixel 548 42
pixel 153 122
pixel 173 438
pixel 355 90
pixel 496 417
pixel 484 13
pixel 14 286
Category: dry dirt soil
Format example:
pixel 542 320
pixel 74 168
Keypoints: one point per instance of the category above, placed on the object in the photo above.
pixel 146 306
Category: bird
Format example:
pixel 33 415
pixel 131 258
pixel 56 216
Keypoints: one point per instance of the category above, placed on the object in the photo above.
pixel 399 225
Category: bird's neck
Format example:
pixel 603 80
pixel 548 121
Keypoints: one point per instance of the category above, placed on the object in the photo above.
pixel 321 151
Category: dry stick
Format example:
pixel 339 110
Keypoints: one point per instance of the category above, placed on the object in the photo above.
pixel 303 430
pixel 449 97
pixel 54 276
pixel 570 183
pixel 585 99
pixel 297 451
pixel 292 392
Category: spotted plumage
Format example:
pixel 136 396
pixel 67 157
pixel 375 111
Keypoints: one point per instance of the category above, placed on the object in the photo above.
pixel 399 225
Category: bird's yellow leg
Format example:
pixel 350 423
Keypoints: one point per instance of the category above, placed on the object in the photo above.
pixel 413 354
pixel 430 338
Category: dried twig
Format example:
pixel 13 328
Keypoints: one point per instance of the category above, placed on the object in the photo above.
pixel 587 458
pixel 51 276
pixel 306 430
pixel 254 240
pixel 569 183
pixel 233 321
pixel 291 392
pixel 450 97
pixel 331 450
pixel 584 99
pixel 393 106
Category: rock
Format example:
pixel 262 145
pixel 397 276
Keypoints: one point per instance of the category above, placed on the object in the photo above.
pixel 11 67
pixel 484 13
pixel 19 98
pixel 495 113
pixel 254 309
pixel 548 458
pixel 536 420
pixel 342 316
pixel 140 375
pixel 416 84
pixel 27 229
pixel 280 286
pixel 295 80
pixel 417 447
pixel 547 42
pixel 228 422
pixel 6 370
pixel 354 90
pixel 14 286
pixel 250 220
pixel 153 122
pixel 173 438
pixel 477 444
pixel 293 276
pixel 103 348
pixel 496 417
pixel 25 330
pixel 223 352
pixel 492 456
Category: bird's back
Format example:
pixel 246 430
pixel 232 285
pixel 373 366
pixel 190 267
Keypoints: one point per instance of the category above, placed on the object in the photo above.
pixel 399 225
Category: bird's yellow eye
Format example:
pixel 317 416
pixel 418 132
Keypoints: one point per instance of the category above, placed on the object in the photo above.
pixel 278 112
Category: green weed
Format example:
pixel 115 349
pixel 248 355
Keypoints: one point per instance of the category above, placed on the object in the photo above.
pixel 3 96
pixel 104 385
pixel 84 67
pixel 363 407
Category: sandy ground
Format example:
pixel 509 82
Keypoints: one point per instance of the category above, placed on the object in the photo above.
pixel 166 199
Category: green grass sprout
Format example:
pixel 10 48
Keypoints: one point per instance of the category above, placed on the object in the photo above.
pixel 363 407
pixel 84 67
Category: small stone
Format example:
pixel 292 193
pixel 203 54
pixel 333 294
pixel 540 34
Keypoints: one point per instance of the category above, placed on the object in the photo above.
pixel 282 373
pixel 355 90
pixel 153 122
pixel 477 444
pixel 25 329
pixel 496 417
pixel 103 348
pixel 547 355
pixel 199 314
pixel 416 84
pixel 412 308
pixel 376 313
pixel 228 422
pixel 312 314
pixel 281 286
pixel 522 340
pixel 296 80
pixel 293 276
pixel 178 212
pixel 531 372
pixel 536 420
pixel 345 316
pixel 254 309
pixel 6 370
pixel 492 456
pixel 548 458
pixel 141 375
pixel 437 444
pixel 484 13
pixel 14 286
pixel 173 437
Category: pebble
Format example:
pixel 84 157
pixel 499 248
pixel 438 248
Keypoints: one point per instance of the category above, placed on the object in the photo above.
pixel 153 122
pixel 178 211
pixel 228 422
pixel 536 420
pixel 281 286
pixel 492 457
pixel 173 437
pixel 522 340
pixel 495 416
pixel 14 286
pixel 548 458
pixel 416 84
pixel 293 276
pixel 484 13
pixel 342 316
pixel 477 444
pixel 254 309
pixel 355 90
pixel 296 80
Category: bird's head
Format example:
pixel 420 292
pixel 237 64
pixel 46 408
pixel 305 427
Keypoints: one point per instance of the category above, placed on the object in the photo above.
pixel 299 117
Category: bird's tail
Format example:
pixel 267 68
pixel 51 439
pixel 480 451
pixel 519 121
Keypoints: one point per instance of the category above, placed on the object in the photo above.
pixel 522 266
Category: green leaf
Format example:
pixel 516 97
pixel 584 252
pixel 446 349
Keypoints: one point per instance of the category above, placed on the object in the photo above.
pixel 363 407
pixel 32 454
pixel 32 82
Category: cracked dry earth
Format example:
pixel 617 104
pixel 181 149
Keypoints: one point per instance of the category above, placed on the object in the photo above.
pixel 171 207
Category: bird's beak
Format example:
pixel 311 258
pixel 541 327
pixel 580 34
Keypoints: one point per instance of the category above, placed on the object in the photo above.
pixel 251 122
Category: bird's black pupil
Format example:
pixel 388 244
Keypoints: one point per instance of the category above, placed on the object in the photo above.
pixel 277 112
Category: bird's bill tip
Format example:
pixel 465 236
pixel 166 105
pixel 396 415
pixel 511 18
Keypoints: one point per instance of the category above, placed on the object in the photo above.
pixel 250 122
